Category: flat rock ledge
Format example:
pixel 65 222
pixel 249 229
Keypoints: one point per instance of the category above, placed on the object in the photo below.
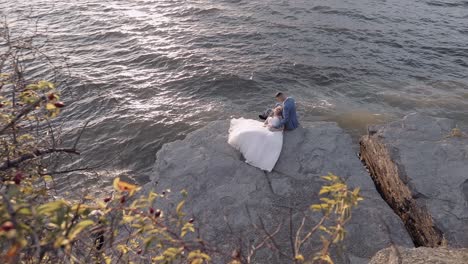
pixel 420 166
pixel 227 196
pixel 421 255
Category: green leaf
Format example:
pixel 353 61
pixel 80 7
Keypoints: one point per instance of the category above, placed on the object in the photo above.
pixel 50 207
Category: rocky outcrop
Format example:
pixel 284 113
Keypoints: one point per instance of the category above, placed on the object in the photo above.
pixel 421 255
pixel 420 166
pixel 227 196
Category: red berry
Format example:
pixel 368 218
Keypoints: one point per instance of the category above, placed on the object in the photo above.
pixel 157 213
pixel 18 177
pixel 107 199
pixel 122 199
pixel 151 210
pixel 191 220
pixel 139 251
pixel 59 104
pixel 51 96
pixel 7 226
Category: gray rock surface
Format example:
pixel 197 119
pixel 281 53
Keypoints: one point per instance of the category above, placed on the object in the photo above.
pixel 421 255
pixel 434 165
pixel 223 188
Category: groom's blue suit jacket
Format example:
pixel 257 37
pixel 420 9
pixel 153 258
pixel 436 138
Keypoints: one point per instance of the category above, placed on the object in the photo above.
pixel 289 120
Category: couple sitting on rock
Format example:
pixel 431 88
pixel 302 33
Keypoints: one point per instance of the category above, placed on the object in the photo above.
pixel 261 143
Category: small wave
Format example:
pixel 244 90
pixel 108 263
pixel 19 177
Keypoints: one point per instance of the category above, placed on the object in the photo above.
pixel 154 60
pixel 321 8
pixel 451 51
pixel 391 43
pixel 448 4
pixel 319 75
pixel 194 11
pixel 109 35
pixel 347 13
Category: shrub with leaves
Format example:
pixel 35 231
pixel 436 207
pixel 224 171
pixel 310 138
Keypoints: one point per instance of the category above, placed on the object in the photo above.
pixel 39 225
pixel 336 210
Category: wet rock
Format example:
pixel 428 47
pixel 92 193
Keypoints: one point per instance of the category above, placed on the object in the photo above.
pixel 226 194
pixel 421 255
pixel 420 166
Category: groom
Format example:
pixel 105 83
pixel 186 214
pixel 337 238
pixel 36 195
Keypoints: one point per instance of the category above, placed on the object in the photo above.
pixel 289 120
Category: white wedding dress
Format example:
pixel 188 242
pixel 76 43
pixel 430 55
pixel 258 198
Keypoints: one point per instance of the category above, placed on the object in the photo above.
pixel 259 146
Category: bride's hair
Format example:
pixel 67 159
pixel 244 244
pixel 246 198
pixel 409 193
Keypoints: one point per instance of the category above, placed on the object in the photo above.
pixel 278 111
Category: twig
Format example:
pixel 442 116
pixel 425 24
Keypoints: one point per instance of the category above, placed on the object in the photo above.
pixel 36 153
pixel 81 133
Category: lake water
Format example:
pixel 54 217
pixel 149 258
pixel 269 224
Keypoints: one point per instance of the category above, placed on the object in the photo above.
pixel 147 72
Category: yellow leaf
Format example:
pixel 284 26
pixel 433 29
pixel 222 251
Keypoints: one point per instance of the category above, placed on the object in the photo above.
pixel 324 229
pixel 205 256
pixel 47 178
pixel 50 207
pixel 45 84
pixel 124 186
pixel 79 228
pixel 50 106
pixel 179 207
pixel 122 248
pixel 107 259
pixel 32 86
pixel 171 252
pixel 328 178
pixel 327 259
pixel 356 191
pixel 316 207
pixel 197 261
pixel 24 211
pixel 324 190
pixel 299 258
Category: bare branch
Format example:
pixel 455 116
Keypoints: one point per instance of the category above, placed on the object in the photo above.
pixel 36 153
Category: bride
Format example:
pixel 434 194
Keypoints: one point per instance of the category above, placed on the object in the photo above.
pixel 259 143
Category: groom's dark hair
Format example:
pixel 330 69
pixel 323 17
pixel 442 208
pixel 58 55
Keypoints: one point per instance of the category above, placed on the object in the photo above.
pixel 279 94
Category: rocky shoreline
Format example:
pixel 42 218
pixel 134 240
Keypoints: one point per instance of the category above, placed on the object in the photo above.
pixel 227 196
pixel 419 164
